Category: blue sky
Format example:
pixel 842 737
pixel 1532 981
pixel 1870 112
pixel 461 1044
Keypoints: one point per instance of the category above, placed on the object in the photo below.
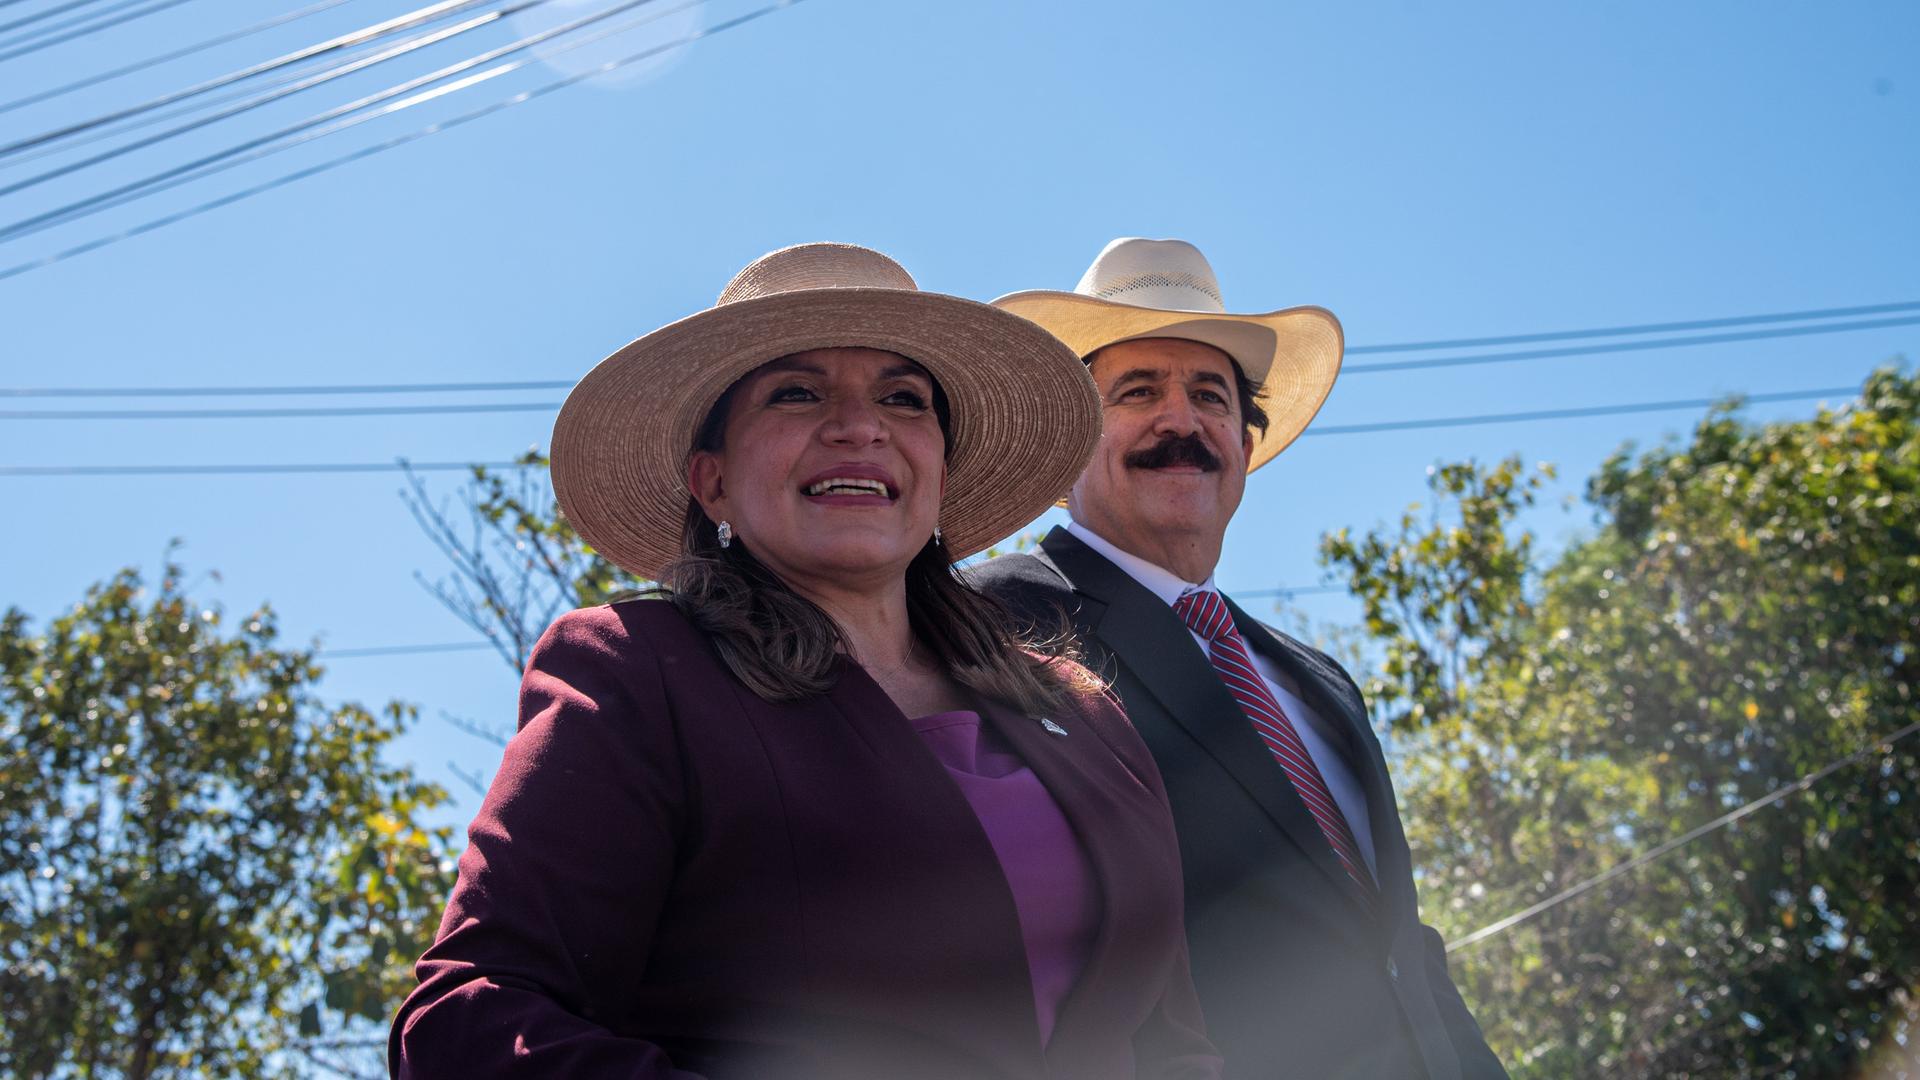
pixel 1424 170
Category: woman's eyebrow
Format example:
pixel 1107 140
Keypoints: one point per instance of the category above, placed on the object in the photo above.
pixel 788 363
pixel 901 370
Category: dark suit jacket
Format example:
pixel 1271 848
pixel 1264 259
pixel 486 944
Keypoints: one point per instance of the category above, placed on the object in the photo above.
pixel 671 877
pixel 1295 979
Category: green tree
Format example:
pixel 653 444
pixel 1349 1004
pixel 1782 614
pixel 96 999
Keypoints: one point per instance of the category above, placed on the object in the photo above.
pixel 204 871
pixel 1744 611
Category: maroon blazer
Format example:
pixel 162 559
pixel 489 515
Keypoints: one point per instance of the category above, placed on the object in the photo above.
pixel 673 878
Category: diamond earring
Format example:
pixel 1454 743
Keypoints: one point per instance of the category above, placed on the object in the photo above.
pixel 937 538
pixel 725 533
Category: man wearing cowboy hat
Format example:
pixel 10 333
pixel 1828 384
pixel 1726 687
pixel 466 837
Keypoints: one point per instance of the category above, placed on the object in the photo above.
pixel 1307 946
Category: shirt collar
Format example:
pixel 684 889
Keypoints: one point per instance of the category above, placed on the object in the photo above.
pixel 1157 580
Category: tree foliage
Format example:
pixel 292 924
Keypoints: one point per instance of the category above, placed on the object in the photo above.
pixel 1744 611
pixel 204 871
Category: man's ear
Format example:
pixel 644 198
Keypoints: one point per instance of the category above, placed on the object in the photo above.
pixel 1246 445
pixel 709 487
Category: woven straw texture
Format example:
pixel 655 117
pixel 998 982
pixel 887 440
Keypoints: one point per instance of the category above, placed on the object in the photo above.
pixel 1025 413
pixel 1294 354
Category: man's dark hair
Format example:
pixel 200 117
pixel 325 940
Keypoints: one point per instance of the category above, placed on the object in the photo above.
pixel 1250 411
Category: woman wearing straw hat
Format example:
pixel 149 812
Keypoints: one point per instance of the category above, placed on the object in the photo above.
pixel 814 813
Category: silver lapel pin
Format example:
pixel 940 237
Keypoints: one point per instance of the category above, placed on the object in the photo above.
pixel 1052 728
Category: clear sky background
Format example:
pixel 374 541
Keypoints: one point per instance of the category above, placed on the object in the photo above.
pixel 1425 170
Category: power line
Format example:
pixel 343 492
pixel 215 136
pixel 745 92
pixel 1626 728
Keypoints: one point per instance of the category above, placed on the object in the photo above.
pixel 404 650
pixel 1643 328
pixel 408 21
pixel 329 74
pixel 200 104
pixel 155 61
pixel 1298 590
pixel 1884 745
pixel 563 384
pixel 286 413
pixel 57 9
pixel 256 148
pixel 256 470
pixel 44 31
pixel 1573 414
pixel 275 391
pixel 552 406
pixel 400 140
pixel 366 467
pixel 106 24
pixel 1626 346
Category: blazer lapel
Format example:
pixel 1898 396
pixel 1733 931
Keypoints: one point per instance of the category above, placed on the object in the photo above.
pixel 1135 861
pixel 1147 637
pixel 894 746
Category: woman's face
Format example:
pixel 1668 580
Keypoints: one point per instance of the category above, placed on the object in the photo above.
pixel 831 469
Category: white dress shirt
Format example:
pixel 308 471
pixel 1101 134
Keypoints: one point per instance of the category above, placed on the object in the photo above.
pixel 1314 731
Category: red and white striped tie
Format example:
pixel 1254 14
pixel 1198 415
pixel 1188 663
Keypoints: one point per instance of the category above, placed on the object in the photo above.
pixel 1207 614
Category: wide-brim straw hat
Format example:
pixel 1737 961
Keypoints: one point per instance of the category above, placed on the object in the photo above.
pixel 1025 415
pixel 1166 289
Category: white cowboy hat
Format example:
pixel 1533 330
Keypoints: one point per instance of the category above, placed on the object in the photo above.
pixel 1025 413
pixel 1166 289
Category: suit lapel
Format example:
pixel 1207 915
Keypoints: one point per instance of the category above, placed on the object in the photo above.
pixel 1155 646
pixel 1325 692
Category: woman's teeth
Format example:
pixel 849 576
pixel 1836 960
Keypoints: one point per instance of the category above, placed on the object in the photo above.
pixel 848 486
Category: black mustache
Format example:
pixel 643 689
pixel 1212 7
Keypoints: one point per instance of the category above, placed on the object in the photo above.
pixel 1174 450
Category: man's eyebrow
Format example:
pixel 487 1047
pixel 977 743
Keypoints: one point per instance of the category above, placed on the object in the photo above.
pixel 1140 373
pixel 1210 377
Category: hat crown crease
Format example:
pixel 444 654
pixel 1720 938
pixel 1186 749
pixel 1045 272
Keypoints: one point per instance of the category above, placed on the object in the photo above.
pixel 1170 275
pixel 816 266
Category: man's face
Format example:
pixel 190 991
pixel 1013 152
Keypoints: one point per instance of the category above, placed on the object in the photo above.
pixel 1172 460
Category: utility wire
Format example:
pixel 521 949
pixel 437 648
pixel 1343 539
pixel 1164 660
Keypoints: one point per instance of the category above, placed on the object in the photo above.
pixel 349 467
pixel 237 414
pixel 256 470
pixel 57 9
pixel 408 21
pixel 106 24
pixel 266 145
pixel 400 140
pixel 1298 590
pixel 199 105
pixel 1883 746
pixel 554 406
pixel 1572 414
pixel 1644 328
pixel 563 384
pixel 155 61
pixel 404 650
pixel 276 391
pixel 77 20
pixel 1625 346
pixel 338 71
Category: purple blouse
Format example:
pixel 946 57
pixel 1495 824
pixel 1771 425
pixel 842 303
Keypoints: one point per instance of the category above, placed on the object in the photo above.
pixel 1053 885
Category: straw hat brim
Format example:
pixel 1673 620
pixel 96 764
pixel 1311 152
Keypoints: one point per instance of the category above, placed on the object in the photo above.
pixel 1293 354
pixel 1025 413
